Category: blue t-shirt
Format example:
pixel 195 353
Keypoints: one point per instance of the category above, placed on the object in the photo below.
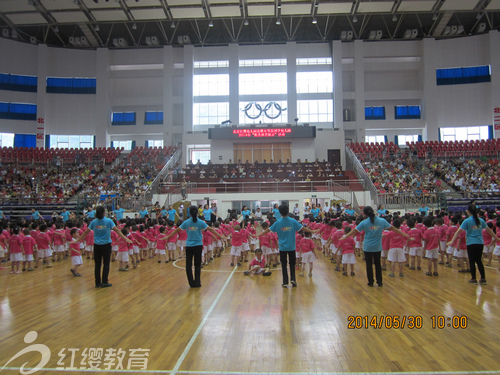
pixel 473 232
pixel 143 213
pixel 65 216
pixel 286 228
pixel 163 213
pixel 119 213
pixel 423 210
pixel 194 235
pixel 276 213
pixel 373 233
pixel 35 215
pixel 102 230
pixel 350 212
pixel 246 213
pixel 315 212
pixel 207 214
pixel 91 214
pixel 381 212
pixel 171 214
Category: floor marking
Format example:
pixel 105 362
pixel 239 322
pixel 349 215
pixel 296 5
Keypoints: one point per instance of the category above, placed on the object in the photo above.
pixel 102 371
pixel 200 327
pixel 243 269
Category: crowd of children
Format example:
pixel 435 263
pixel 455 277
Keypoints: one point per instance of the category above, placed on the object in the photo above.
pixel 31 245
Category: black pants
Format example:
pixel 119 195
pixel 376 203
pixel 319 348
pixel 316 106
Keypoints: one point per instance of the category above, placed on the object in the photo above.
pixel 193 252
pixel 102 255
pixel 284 257
pixel 475 254
pixel 373 257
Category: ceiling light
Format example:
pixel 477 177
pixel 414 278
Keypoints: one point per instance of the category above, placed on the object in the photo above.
pixel 314 21
pixel 210 24
pixel 97 28
pixel 435 17
pixel 172 25
pixel 478 16
pixel 278 21
pixel 394 18
pixel 354 19
pixel 56 29
pixel 134 26
pixel 245 22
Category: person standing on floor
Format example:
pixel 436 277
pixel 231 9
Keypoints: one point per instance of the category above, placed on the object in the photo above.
pixel 373 227
pixel 102 227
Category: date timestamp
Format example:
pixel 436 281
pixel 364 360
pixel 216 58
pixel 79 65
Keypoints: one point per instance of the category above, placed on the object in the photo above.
pixel 405 321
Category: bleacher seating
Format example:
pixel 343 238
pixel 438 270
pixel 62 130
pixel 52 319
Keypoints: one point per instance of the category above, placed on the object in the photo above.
pixel 25 155
pixel 447 149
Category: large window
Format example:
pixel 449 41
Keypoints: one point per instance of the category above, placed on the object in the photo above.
pixel 374 113
pixel 407 112
pixel 263 62
pixel 153 118
pixel 459 76
pixel 263 83
pixel 18 111
pixel 6 140
pixel 201 153
pixel 314 82
pixel 465 133
pixel 58 85
pixel 375 138
pixel 210 113
pixel 211 64
pixel 314 61
pixel 126 145
pixel 123 118
pixel 211 84
pixel 71 141
pixel 315 110
pixel 15 82
pixel 155 143
pixel 263 112
pixel 402 139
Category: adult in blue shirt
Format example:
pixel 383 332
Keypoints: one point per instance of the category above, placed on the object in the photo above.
pixel 373 227
pixel 143 212
pixel 246 213
pixel 91 213
pixel 102 227
pixel 194 245
pixel 118 212
pixel 423 210
pixel 276 212
pixel 286 227
pixel 315 211
pixel 163 212
pixel 207 213
pixel 35 215
pixel 171 213
pixel 349 211
pixel 64 215
pixel 381 211
pixel 2 217
pixel 473 227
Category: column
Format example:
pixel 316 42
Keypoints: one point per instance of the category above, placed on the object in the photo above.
pixel 338 98
pixel 102 107
pixel 430 110
pixel 359 89
pixel 495 81
pixel 188 87
pixel 168 87
pixel 234 86
pixel 42 123
pixel 291 67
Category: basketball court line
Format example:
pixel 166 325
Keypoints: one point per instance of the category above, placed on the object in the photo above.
pixel 252 373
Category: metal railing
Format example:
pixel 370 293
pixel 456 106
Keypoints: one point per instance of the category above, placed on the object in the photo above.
pixel 396 200
pixel 54 162
pixel 169 165
pixel 354 163
pixel 337 186
pixel 433 154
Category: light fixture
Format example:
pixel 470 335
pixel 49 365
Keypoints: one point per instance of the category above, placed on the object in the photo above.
pixel 172 25
pixel 314 21
pixel 97 28
pixel 478 16
pixel 278 21
pixel 435 17
pixel 354 19
pixel 394 18
pixel 245 22
pixel 134 26
pixel 56 29
pixel 210 24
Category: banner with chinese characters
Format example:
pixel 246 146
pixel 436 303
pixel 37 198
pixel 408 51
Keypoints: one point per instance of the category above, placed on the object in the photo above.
pixel 496 121
pixel 40 132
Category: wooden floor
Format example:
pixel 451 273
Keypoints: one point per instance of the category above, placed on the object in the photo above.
pixel 236 324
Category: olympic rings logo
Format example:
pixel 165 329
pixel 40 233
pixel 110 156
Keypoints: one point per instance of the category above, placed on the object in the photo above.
pixel 271 110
